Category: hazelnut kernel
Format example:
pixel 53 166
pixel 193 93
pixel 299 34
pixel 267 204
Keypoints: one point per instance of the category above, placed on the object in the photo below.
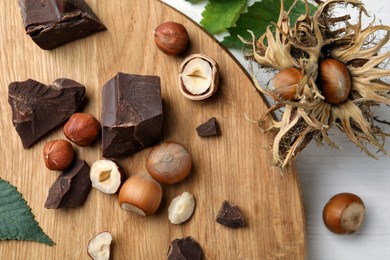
pixel 58 155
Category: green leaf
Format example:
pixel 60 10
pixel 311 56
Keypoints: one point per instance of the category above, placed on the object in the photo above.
pixel 16 219
pixel 258 17
pixel 221 14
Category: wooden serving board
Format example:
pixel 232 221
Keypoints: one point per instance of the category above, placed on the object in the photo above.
pixel 235 166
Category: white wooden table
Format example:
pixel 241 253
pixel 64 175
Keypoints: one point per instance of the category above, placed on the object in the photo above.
pixel 325 171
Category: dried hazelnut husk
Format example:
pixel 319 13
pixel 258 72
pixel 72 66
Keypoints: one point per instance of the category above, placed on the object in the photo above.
pixel 171 38
pixel 58 155
pixel 199 77
pixel 82 129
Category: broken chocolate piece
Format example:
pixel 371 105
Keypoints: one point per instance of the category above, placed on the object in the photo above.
pixel 71 188
pixel 209 128
pixel 132 114
pixel 185 249
pixel 52 23
pixel 230 215
pixel 37 108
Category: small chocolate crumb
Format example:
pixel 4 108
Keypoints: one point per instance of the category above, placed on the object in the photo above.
pixel 71 188
pixel 209 128
pixel 185 249
pixel 230 215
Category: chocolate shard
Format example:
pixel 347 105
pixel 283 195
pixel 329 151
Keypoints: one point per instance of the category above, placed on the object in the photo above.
pixel 71 188
pixel 230 215
pixel 132 114
pixel 38 108
pixel 185 249
pixel 209 128
pixel 52 23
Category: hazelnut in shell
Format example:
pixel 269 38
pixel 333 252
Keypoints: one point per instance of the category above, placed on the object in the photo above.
pixel 198 77
pixel 82 129
pixel 169 162
pixel 58 155
pixel 344 213
pixel 141 195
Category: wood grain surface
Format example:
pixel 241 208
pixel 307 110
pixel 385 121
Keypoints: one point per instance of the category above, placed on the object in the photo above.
pixel 235 166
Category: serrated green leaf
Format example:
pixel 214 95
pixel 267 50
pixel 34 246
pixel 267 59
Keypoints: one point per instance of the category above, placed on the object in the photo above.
pixel 221 14
pixel 17 222
pixel 258 17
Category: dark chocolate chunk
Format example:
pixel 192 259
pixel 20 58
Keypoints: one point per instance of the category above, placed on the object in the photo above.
pixel 132 114
pixel 229 215
pixel 209 128
pixel 52 23
pixel 37 108
pixel 71 188
pixel 185 249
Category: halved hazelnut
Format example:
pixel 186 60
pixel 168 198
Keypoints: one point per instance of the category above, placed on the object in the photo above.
pixel 106 176
pixel 181 208
pixel 140 194
pixel 169 162
pixel 99 246
pixel 199 77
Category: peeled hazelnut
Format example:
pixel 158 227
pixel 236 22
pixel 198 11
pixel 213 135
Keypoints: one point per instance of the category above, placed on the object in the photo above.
pixel 106 176
pixel 171 38
pixel 58 155
pixel 181 208
pixel 199 77
pixel 140 194
pixel 99 246
pixel 82 129
pixel 344 213
pixel 169 162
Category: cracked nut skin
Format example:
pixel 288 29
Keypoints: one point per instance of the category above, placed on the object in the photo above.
pixel 198 77
pixel 171 38
pixel 82 129
pixel 58 155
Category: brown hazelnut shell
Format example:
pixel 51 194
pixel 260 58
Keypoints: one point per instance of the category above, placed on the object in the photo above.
pixel 169 162
pixel 343 213
pixel 140 194
pixel 214 80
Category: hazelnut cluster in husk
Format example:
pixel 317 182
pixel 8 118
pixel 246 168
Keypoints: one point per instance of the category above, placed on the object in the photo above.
pixel 331 74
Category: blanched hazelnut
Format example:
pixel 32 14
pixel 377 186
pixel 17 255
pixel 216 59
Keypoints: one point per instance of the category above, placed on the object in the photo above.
pixel 82 129
pixel 181 208
pixel 106 176
pixel 58 155
pixel 99 246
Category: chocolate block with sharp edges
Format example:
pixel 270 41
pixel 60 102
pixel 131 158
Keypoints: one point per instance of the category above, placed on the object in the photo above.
pixel 230 215
pixel 208 128
pixel 132 114
pixel 52 23
pixel 71 188
pixel 37 108
pixel 185 249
